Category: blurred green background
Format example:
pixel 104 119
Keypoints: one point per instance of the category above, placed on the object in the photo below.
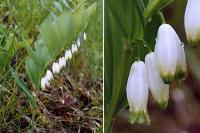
pixel 183 112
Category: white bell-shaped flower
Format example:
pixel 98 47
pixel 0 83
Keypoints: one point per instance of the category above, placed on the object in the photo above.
pixel 84 36
pixel 192 22
pixel 62 62
pixel 78 42
pixel 49 75
pixel 181 66
pixel 166 52
pixel 137 93
pixel 56 68
pixel 76 48
pixel 66 55
pixel 44 83
pixel 159 90
pixel 70 54
pixel 73 49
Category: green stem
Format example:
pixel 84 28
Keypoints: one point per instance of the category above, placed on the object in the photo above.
pixel 160 15
pixel 118 88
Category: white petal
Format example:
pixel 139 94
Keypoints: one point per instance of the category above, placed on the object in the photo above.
pixel 62 62
pixel 85 36
pixel 69 54
pixel 192 22
pixel 159 90
pixel 47 84
pixel 166 52
pixel 137 92
pixel 43 83
pixel 78 42
pixel 181 67
pixel 73 49
pixel 49 75
pixel 66 55
pixel 56 68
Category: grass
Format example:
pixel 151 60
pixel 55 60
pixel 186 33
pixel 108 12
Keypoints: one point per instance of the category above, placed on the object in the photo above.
pixel 79 85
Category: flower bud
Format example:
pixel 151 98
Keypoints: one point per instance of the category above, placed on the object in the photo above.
pixel 69 54
pixel 49 75
pixel 66 55
pixel 84 36
pixel 62 62
pixel 137 93
pixel 44 83
pixel 159 90
pixel 56 68
pixel 192 22
pixel 73 49
pixel 78 42
pixel 181 66
pixel 166 52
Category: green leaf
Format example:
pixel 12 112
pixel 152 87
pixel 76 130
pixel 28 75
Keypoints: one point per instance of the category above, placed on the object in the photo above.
pixel 23 88
pixel 55 36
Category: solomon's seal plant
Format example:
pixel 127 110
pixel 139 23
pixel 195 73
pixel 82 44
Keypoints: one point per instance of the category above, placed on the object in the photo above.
pixel 136 32
pixel 57 34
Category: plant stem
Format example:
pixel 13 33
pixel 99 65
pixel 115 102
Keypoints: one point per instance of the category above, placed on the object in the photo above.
pixel 160 15
pixel 118 88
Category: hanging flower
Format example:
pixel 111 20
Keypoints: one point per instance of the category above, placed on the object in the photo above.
pixel 44 83
pixel 68 55
pixel 62 62
pixel 73 49
pixel 78 42
pixel 166 52
pixel 84 36
pixel 49 75
pixel 56 68
pixel 159 90
pixel 181 66
pixel 192 22
pixel 137 93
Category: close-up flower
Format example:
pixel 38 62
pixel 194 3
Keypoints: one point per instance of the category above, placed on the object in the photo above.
pixel 192 22
pixel 166 52
pixel 49 75
pixel 56 68
pixel 158 88
pixel 62 62
pixel 137 93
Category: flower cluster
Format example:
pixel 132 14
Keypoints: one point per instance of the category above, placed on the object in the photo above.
pixel 161 67
pixel 58 66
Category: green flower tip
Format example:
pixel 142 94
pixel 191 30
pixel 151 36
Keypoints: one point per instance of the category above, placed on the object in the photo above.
pixel 139 117
pixel 181 74
pixel 193 43
pixel 167 79
pixel 162 104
